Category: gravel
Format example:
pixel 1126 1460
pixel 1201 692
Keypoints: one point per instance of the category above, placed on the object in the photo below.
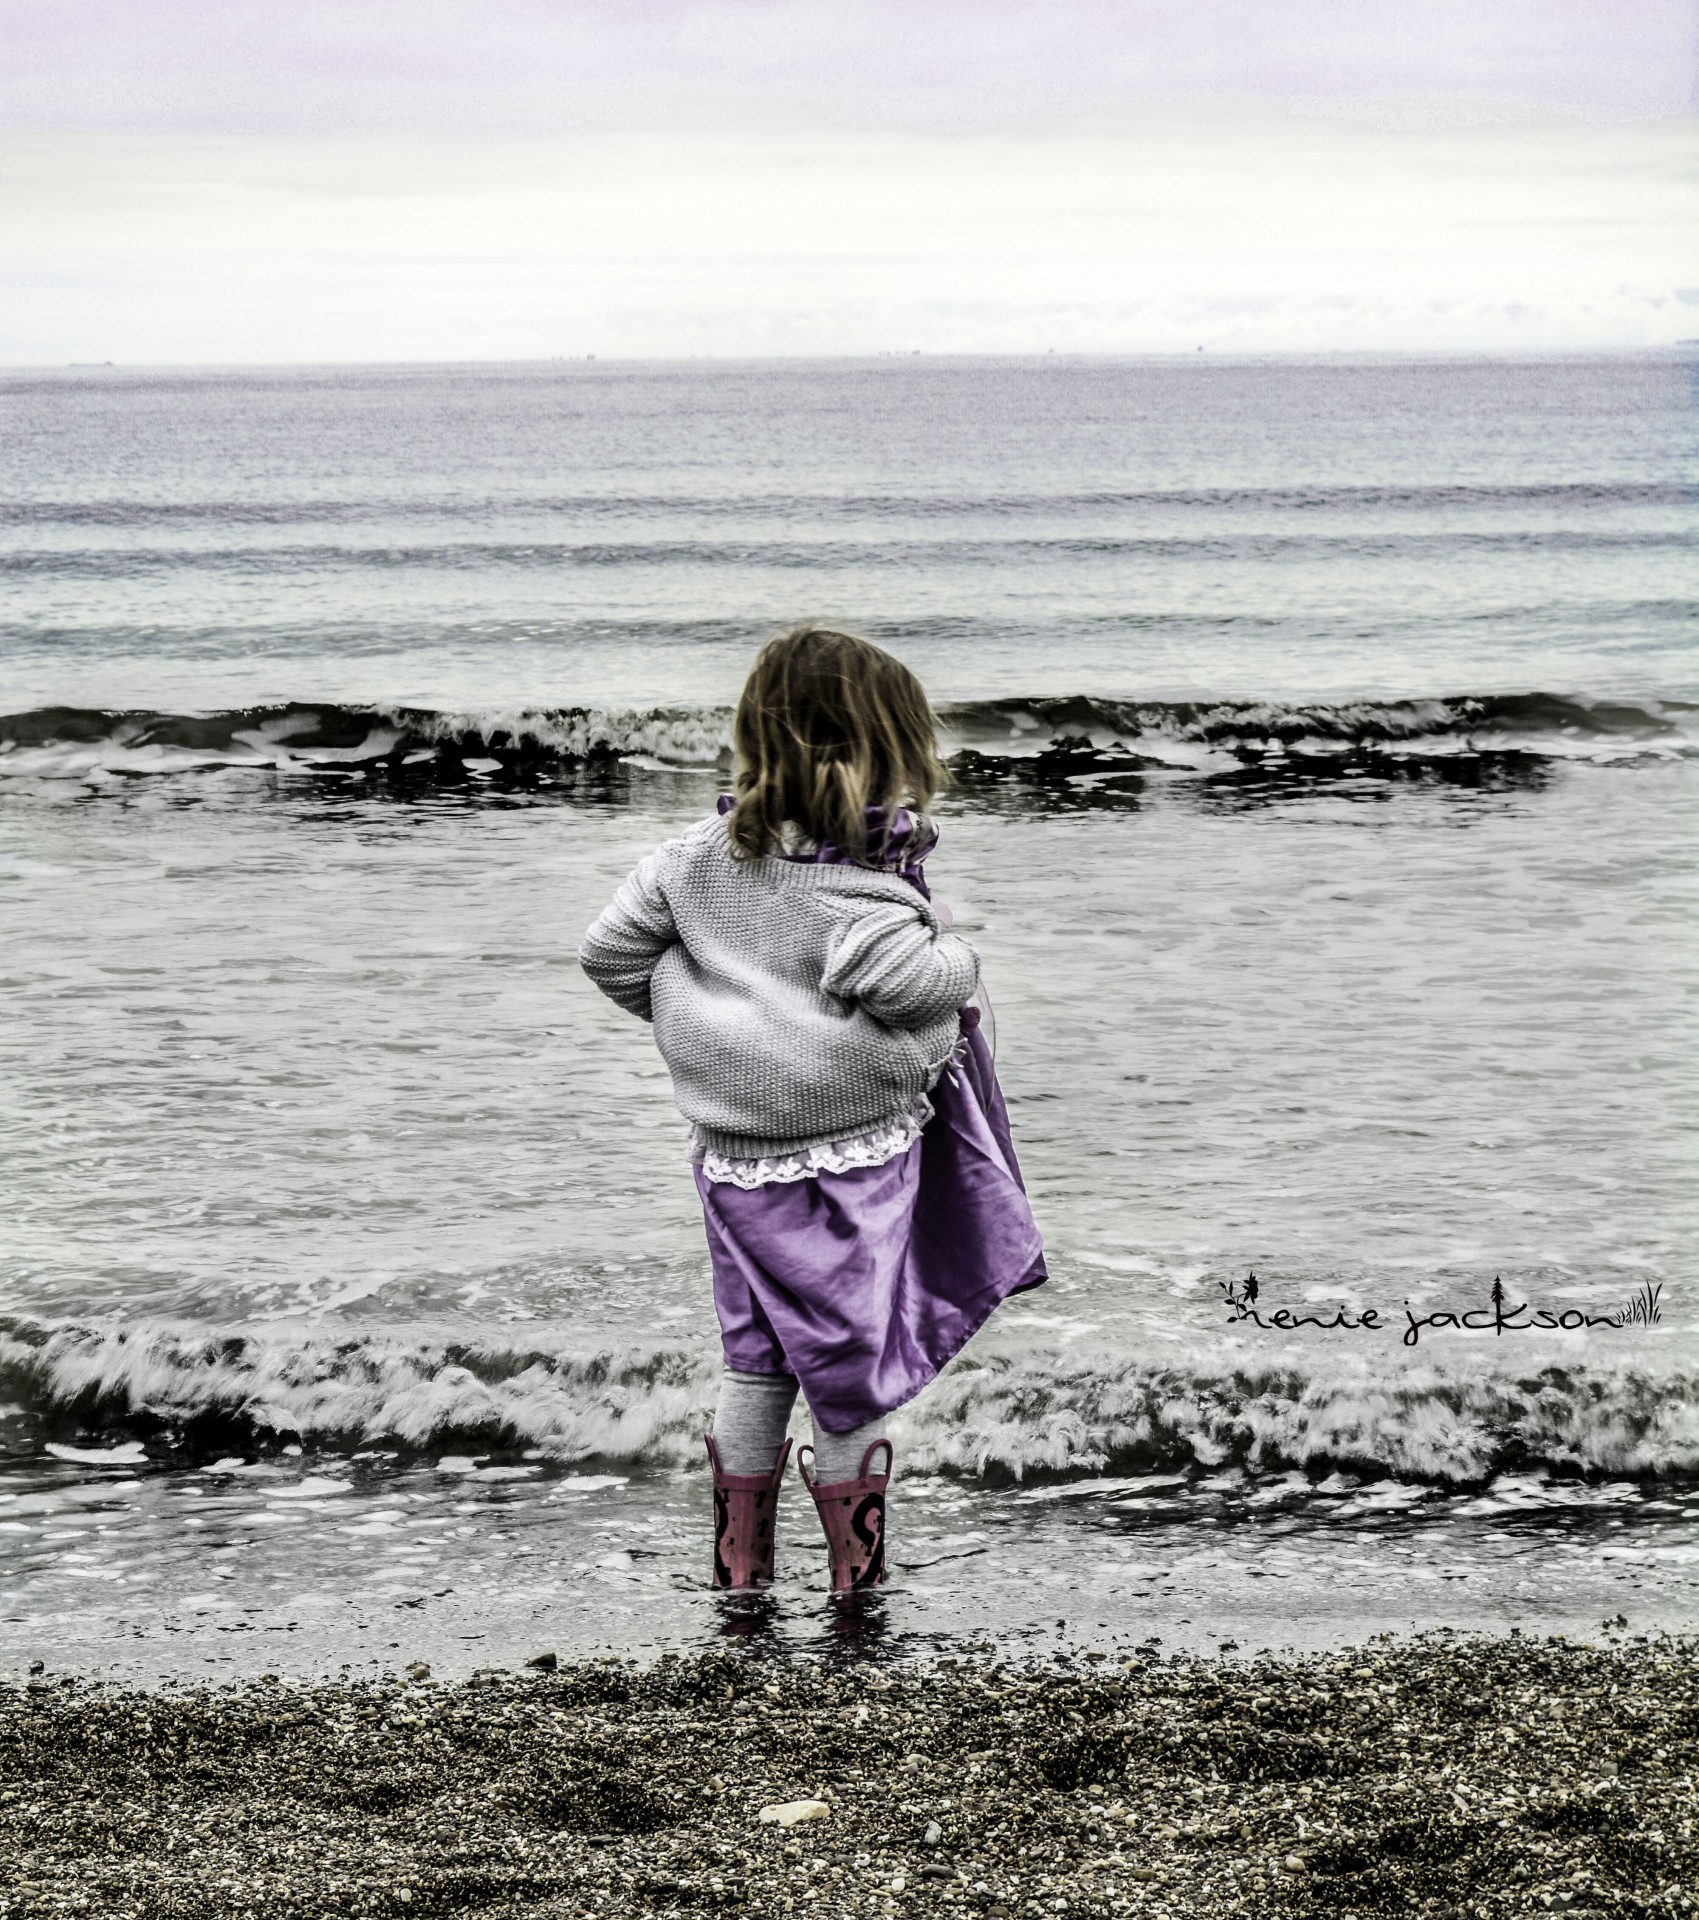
pixel 1438 1776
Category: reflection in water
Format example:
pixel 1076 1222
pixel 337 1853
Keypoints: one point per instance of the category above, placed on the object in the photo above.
pixel 748 1616
pixel 859 1623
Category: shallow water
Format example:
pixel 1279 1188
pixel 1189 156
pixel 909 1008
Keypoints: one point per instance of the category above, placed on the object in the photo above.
pixel 257 1567
pixel 1324 817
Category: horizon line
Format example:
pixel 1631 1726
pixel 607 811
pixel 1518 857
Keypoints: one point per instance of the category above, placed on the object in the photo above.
pixel 1179 355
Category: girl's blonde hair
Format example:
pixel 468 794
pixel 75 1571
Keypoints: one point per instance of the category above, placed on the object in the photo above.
pixel 829 725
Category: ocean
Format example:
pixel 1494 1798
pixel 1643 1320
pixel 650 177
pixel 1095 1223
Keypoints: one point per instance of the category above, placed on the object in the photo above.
pixel 1325 740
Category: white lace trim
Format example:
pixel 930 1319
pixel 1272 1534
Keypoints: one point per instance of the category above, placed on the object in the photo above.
pixel 870 1149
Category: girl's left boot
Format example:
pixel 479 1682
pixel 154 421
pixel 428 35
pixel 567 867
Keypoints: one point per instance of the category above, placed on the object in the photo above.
pixel 852 1516
pixel 746 1511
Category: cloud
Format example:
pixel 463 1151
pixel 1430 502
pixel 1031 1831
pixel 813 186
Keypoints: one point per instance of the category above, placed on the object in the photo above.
pixel 1235 228
pixel 510 67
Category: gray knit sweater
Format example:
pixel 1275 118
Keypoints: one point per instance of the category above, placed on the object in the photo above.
pixel 794 1003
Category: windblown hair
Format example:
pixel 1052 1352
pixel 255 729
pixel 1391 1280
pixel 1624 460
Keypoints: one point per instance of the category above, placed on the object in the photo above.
pixel 829 726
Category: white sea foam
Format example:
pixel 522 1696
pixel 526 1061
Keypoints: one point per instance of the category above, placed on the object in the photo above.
pixel 1183 736
pixel 1042 1412
pixel 125 1454
pixel 679 737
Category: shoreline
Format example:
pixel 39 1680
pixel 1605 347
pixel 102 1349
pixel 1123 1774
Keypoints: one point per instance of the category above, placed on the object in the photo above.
pixel 230 1575
pixel 1440 1773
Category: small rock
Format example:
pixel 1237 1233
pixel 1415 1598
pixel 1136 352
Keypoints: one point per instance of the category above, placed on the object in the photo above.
pixel 934 1833
pixel 1145 1873
pixel 544 1662
pixel 898 1883
pixel 790 1813
pixel 404 1895
pixel 935 1873
pixel 420 1670
pixel 38 1666
pixel 1296 1863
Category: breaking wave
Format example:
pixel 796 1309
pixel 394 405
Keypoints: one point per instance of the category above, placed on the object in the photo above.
pixel 187 1395
pixel 1077 739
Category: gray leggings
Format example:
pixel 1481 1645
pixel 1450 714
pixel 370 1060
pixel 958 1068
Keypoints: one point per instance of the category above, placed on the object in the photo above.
pixel 750 1423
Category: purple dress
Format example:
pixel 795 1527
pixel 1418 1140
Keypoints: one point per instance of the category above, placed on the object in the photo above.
pixel 865 1283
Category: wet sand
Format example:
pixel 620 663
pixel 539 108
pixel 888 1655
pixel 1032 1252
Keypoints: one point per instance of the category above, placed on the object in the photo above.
pixel 1435 1774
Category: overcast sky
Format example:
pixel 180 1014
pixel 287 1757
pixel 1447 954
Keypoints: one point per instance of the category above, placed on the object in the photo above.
pixel 240 180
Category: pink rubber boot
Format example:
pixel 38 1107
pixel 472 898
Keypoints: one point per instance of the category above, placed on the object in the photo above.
pixel 746 1510
pixel 852 1512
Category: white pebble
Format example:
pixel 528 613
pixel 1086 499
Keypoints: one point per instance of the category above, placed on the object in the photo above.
pixel 790 1813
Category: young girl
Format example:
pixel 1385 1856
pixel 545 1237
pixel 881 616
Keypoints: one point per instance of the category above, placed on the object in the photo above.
pixel 864 1209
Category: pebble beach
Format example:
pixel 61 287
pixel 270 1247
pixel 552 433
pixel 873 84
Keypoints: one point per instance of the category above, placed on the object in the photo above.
pixel 1436 1774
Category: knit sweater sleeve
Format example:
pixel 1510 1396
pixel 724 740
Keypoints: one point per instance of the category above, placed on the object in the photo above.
pixel 628 937
pixel 891 960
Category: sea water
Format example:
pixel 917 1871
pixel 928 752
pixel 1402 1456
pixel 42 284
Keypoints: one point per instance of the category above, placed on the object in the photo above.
pixel 1324 738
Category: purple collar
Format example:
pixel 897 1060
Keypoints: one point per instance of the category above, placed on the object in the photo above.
pixel 900 847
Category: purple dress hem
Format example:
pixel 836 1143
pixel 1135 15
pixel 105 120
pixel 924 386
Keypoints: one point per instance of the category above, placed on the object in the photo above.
pixel 866 1284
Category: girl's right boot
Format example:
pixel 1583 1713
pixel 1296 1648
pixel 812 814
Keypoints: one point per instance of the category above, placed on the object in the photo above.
pixel 852 1514
pixel 746 1510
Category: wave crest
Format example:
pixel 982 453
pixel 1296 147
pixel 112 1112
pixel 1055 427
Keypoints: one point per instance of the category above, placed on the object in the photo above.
pixel 1073 738
pixel 189 1394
